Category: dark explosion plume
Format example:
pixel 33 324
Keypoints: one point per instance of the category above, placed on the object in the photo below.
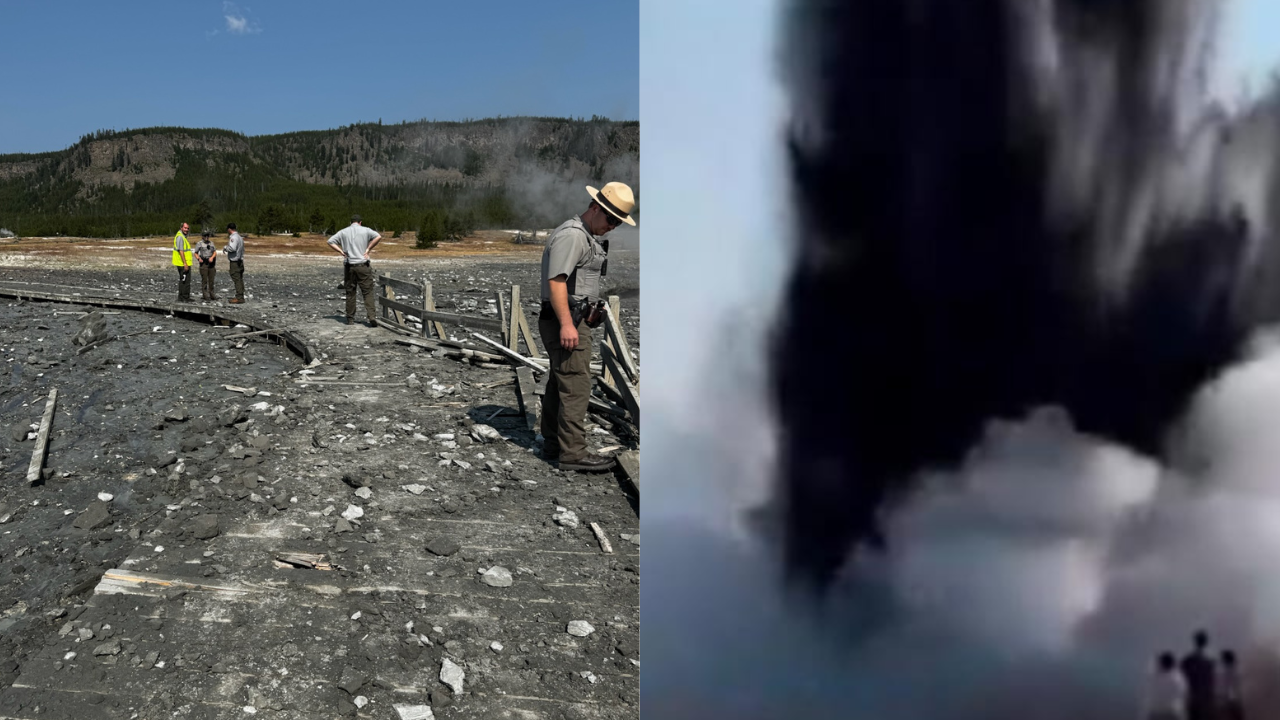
pixel 1002 204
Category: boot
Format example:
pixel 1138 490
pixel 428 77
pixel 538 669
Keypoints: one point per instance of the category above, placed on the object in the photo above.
pixel 591 463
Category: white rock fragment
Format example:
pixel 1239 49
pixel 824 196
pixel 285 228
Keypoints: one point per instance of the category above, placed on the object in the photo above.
pixel 361 701
pixel 566 518
pixel 352 512
pixel 443 436
pixel 364 493
pixel 485 433
pixel 415 488
pixel 355 615
pixel 495 646
pixel 415 712
pixel 251 710
pixel 579 628
pixel 105 497
pixel 497 577
pixel 452 675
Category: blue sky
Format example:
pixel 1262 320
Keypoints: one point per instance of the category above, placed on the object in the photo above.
pixel 271 66
pixel 1248 43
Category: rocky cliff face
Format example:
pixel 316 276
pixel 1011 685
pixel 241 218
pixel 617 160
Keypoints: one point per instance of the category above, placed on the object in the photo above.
pixel 477 152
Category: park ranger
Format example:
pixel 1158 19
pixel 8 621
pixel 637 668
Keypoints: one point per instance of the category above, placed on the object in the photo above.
pixel 571 270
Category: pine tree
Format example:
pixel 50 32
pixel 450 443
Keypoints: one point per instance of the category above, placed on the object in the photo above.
pixel 431 230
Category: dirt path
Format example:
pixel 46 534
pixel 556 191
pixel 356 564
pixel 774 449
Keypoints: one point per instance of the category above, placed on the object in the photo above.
pixel 146 419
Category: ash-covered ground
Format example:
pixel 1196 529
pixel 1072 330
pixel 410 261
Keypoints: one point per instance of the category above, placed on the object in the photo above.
pixel 154 467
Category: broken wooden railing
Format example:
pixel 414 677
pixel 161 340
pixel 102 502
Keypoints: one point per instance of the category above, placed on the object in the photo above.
pixel 616 373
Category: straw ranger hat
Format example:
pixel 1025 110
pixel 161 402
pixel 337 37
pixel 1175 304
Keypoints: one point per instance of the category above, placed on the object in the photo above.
pixel 616 199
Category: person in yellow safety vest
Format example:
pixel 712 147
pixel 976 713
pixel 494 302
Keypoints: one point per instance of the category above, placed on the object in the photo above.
pixel 182 261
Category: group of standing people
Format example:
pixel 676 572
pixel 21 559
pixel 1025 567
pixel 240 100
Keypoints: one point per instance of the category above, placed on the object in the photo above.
pixel 185 257
pixel 1199 687
pixel 573 263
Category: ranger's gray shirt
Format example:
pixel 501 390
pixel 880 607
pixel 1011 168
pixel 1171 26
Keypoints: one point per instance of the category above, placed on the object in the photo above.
pixel 235 247
pixel 574 252
pixel 354 241
pixel 205 249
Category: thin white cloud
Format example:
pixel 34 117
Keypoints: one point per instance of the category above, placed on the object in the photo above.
pixel 238 22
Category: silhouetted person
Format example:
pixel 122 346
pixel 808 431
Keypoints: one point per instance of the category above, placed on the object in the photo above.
pixel 1166 691
pixel 1230 688
pixel 1201 676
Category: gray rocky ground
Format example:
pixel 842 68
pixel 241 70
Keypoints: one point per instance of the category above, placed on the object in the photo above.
pixel 456 581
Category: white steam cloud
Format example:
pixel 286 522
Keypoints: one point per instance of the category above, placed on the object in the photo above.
pixel 1049 569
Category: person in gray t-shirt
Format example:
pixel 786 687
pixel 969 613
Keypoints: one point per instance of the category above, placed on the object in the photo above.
pixel 354 243
pixel 235 258
pixel 572 264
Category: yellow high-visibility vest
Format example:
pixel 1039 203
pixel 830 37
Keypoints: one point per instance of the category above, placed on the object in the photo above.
pixel 181 249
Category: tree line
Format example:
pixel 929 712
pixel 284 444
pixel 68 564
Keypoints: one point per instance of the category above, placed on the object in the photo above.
pixel 258 191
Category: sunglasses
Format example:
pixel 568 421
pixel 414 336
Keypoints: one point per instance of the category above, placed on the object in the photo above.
pixel 613 220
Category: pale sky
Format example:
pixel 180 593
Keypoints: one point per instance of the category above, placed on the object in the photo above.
pixel 1249 47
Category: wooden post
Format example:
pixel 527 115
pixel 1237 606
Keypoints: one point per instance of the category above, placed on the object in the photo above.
pixel 390 294
pixel 502 315
pixel 382 294
pixel 431 307
pixel 517 316
pixel 42 440
pixel 629 393
pixel 426 293
pixel 622 352
pixel 513 335
pixel 525 387
pixel 609 345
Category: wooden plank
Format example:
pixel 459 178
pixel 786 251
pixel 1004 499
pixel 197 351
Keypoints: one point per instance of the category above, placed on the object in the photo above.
pixel 395 328
pixel 630 397
pixel 251 334
pixel 528 400
pixel 426 298
pixel 462 352
pixel 601 538
pixel 610 391
pixel 401 285
pixel 430 305
pixel 128 582
pixel 513 355
pixel 599 405
pixel 391 295
pixel 513 332
pixel 619 339
pixel 629 464
pixel 92 345
pixel 502 317
pixel 463 320
pixel 528 334
pixel 42 440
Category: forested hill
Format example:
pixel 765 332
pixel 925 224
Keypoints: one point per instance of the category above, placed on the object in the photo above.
pixel 505 172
